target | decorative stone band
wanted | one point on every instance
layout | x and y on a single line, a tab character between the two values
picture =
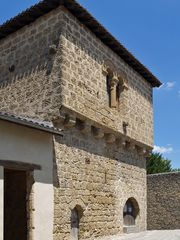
69	119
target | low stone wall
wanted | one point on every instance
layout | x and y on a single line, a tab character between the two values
163	208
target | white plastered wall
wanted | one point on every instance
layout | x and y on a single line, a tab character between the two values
1	201
27	145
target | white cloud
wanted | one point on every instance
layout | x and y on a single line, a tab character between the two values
162	150
168	85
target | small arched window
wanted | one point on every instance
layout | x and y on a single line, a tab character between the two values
76	214
112	83
115	84
130	212
108	84
74	224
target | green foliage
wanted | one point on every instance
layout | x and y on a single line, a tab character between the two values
156	163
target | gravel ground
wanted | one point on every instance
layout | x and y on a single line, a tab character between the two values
149	235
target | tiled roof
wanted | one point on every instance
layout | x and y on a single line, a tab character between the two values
32	123
45	6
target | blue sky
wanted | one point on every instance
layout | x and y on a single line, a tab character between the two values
150	30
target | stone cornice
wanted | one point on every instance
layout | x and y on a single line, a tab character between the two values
99	131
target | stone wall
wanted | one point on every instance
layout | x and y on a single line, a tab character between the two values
100	179
56	62
84	86
30	68
163	194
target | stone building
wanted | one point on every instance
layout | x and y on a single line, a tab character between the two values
57	63
163	201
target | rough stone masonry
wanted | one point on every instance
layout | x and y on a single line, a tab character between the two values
163	197
58	68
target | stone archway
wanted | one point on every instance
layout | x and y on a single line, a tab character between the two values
130	213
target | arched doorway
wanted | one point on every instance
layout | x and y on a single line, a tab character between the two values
130	212
76	214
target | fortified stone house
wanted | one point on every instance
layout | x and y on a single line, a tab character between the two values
58	64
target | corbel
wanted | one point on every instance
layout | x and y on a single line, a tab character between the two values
83	126
131	146
59	120
148	153
121	142
142	151
97	132
70	121
110	138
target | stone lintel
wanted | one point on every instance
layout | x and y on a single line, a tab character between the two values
19	165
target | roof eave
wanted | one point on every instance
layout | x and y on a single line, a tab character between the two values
29	124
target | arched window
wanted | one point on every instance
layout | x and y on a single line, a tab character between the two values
76	214
115	84
112	83
74	224
130	212
109	76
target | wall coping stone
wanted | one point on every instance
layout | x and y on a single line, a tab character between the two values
163	174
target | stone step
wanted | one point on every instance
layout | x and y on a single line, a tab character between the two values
130	229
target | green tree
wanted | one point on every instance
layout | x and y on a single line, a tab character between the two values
156	163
